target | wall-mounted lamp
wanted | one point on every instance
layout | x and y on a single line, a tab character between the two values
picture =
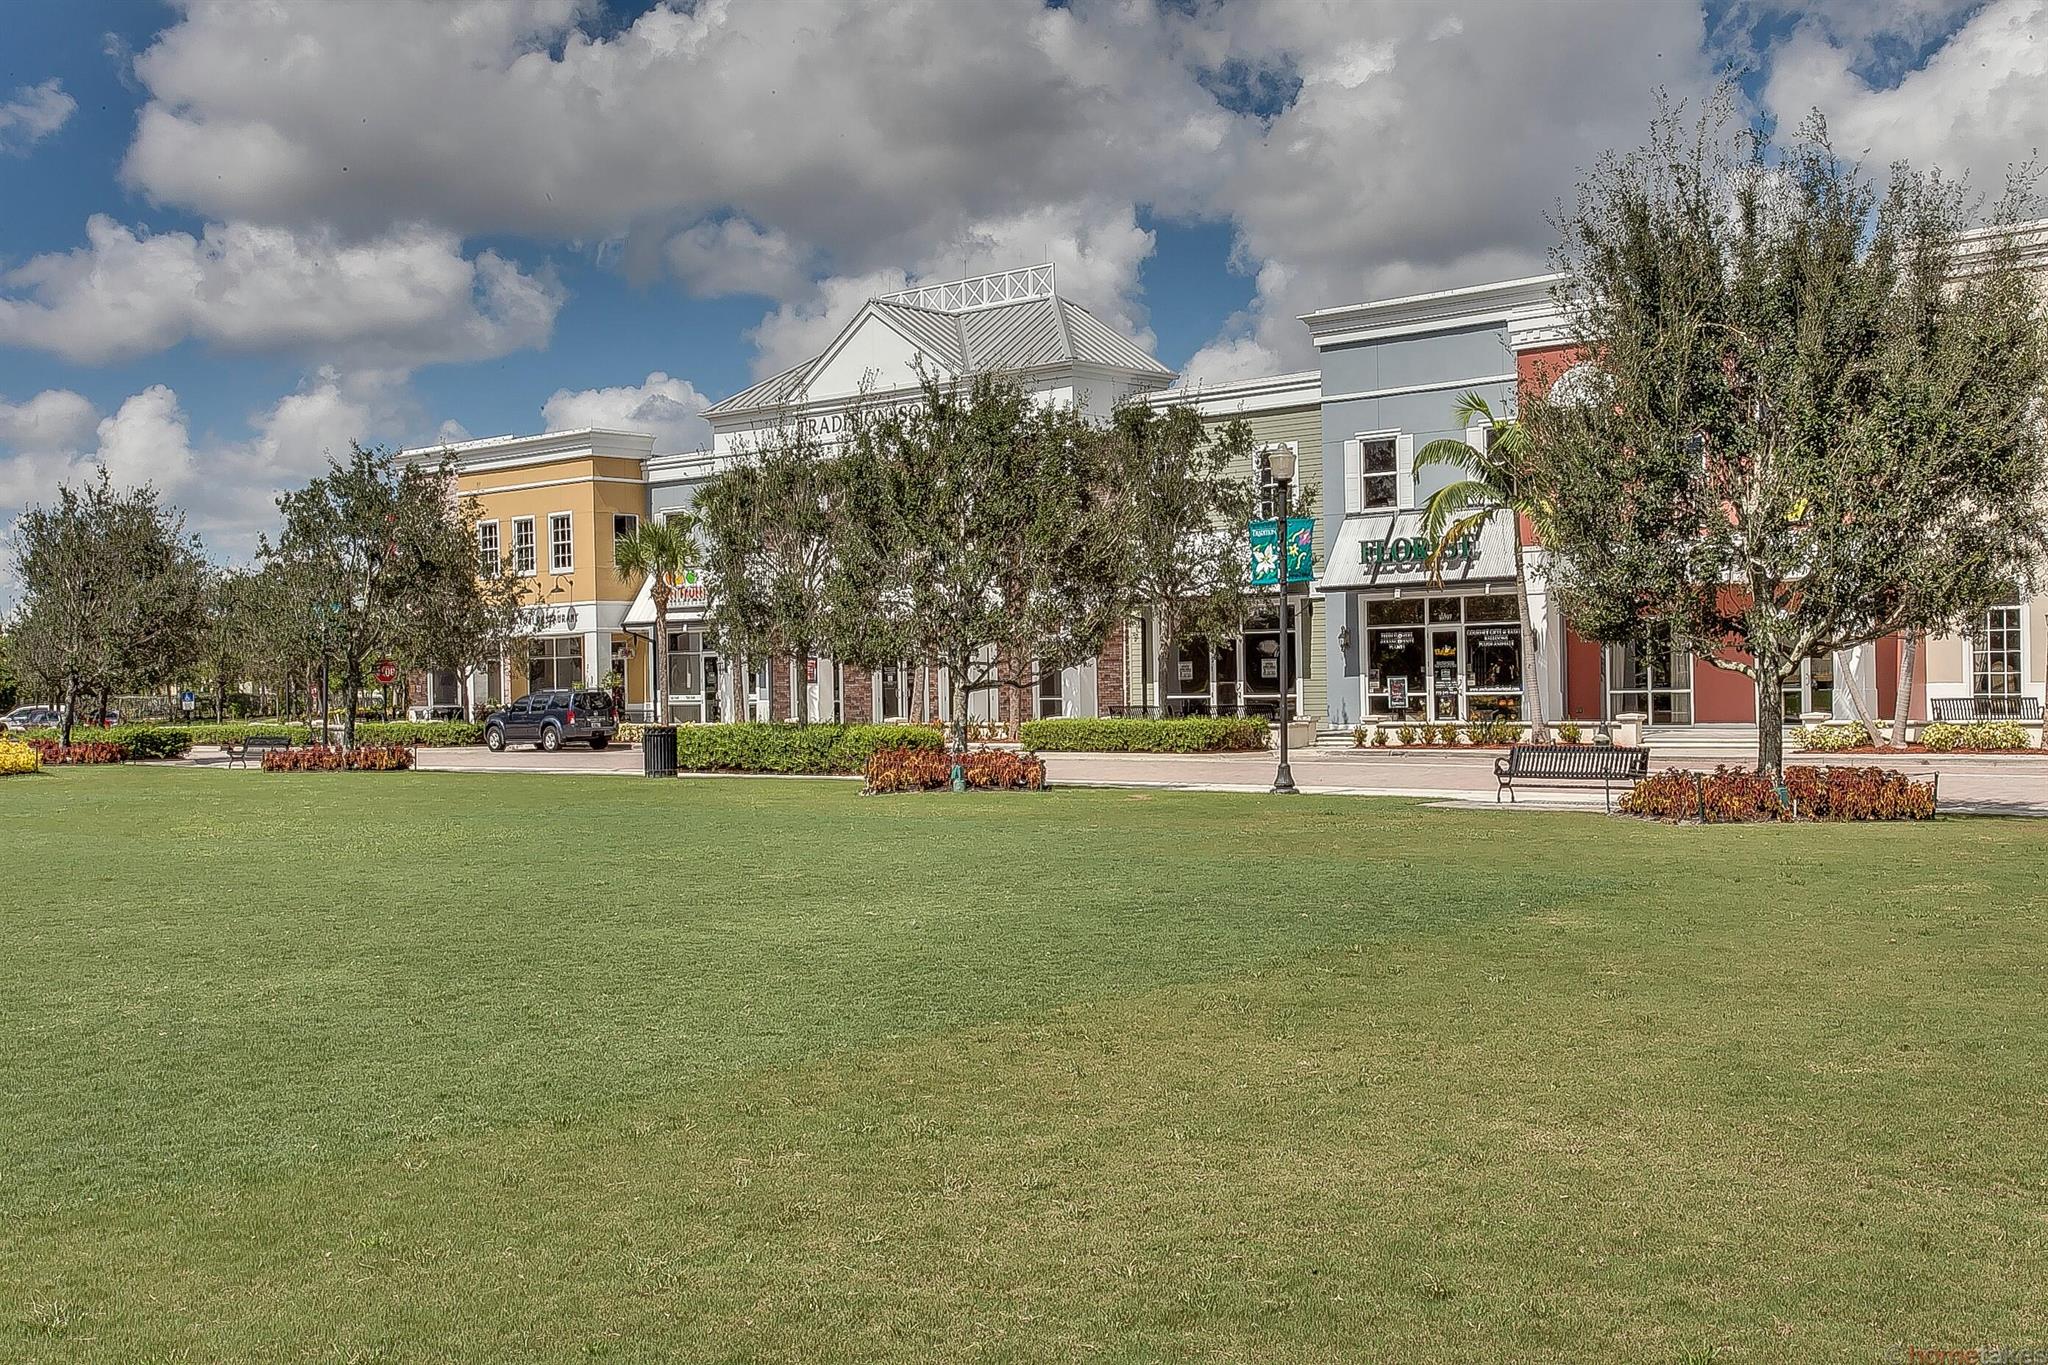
1343	637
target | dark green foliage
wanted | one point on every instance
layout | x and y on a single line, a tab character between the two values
1801	419
766	747
1191	735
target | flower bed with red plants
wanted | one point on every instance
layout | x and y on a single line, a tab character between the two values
923	770
79	753
1739	796
322	758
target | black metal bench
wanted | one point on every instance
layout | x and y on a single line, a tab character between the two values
1962	710
254	744
1583	764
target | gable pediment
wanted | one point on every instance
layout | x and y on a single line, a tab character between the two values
878	354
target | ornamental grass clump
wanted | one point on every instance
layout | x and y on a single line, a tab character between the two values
81	754
322	758
1740	796
917	770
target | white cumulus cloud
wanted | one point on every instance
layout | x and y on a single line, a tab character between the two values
33	113
408	297
671	409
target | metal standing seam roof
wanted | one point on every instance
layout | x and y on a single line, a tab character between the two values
1026	335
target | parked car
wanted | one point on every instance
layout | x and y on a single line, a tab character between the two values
30	718
548	720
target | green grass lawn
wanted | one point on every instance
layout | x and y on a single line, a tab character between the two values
463	1067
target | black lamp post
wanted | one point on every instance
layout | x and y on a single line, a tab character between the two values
1280	464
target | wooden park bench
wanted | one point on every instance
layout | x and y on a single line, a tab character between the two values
1581	764
1963	710
255	745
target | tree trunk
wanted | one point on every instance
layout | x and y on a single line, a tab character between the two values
70	707
661	712
957	677
802	683
351	684
1770	724
1902	701
1162	659
1532	666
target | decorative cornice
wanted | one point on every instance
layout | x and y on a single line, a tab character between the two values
1475	305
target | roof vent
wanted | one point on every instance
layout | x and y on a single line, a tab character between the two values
982	291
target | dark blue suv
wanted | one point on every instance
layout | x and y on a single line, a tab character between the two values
548	720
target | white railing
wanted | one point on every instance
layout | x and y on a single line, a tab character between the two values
982	291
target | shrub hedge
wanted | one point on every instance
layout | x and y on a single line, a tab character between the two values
1978	735
770	747
922	770
1110	735
136	741
18	757
1737	795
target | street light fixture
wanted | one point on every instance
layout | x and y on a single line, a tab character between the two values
1280	466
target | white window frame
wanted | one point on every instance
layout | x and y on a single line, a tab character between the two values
559	563
634	529
1978	647
525	558
1354	472
497	546
1262	484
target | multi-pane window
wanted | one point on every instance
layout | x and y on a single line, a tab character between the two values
556	662
1269	490
561	543
1378	474
624	524
890	691
487	547
1995	658
523	561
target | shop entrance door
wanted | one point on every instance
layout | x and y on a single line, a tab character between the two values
1446	674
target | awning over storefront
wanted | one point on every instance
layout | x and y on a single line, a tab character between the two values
1389	550
687	602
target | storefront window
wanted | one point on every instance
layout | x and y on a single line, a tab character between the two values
1995	659
1444	658
1188	690
1446	610
556	662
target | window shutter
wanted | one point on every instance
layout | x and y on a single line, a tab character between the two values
1354	475
1404	469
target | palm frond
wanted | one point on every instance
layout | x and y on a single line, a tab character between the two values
1454	501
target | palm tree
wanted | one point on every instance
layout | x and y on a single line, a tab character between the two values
660	550
1492	485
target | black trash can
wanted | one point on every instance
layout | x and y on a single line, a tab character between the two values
658	750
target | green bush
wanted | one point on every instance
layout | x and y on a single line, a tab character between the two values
768	747
138	741
420	734
235	731
1111	735
1944	736
1568	732
1833	739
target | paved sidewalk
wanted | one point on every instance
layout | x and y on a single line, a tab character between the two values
1985	784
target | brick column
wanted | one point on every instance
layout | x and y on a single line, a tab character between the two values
1109	670
859	687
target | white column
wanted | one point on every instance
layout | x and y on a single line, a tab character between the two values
1544	669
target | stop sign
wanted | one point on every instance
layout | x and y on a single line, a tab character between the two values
387	671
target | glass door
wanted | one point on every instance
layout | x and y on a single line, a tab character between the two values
1812	690
1446	676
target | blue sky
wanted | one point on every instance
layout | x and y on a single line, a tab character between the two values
233	239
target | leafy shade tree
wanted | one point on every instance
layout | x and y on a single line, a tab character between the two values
1809	412
1492	483
975	532
659	551
10	675
111	592
372	549
228	638
767	528
1187	500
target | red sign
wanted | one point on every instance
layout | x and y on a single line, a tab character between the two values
387	672
810	670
